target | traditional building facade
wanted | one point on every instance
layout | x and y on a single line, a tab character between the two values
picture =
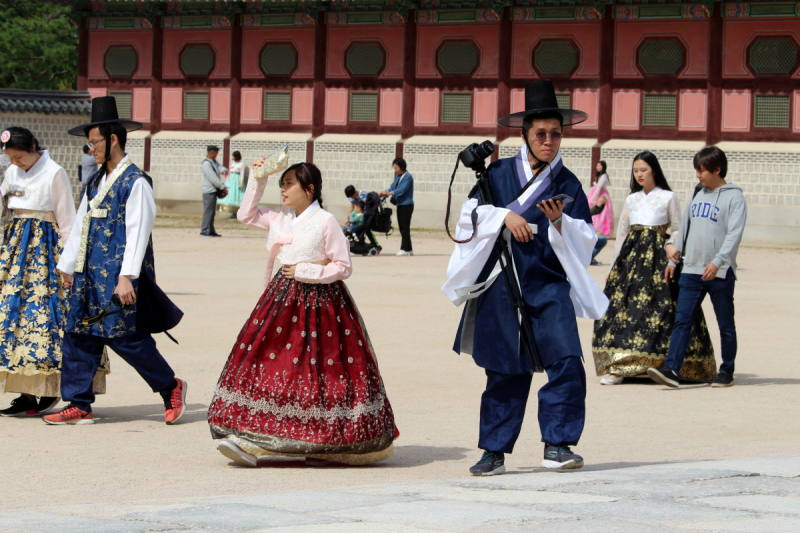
353	83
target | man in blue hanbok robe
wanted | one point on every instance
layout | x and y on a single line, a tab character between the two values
551	243
109	257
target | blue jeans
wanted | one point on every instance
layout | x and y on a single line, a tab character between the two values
562	409
599	245
692	292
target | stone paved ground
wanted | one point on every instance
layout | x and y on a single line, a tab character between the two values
739	495
639	442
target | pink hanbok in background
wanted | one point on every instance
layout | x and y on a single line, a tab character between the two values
604	222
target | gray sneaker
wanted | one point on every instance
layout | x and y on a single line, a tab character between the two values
491	464
665	376
560	458
722	380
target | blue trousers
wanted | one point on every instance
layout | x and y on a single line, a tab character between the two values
599	245
82	355
562	408
693	291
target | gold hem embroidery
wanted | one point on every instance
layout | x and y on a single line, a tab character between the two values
629	363
354	459
296	410
270	445
48	385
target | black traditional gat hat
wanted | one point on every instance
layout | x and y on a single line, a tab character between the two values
540	97
104	111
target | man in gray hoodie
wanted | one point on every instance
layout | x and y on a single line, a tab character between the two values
708	241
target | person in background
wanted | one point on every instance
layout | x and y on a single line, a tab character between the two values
403	191
354	195
40	212
603	222
88	168
212	170
716	218
601	239
235	186
634	334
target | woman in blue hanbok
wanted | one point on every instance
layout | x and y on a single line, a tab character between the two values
38	215
235	186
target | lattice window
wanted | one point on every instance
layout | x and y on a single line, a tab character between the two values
771	111
277	106
363	107
197	60
555	58
121	61
563	100
124	103
661	57
457	107
195	106
278	59
365	59
659	110
457	59
773	56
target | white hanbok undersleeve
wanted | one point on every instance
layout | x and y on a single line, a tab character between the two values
573	246
469	258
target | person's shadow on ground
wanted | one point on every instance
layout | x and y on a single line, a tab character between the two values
404	457
195	412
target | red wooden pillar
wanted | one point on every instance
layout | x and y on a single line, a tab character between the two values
714	106
409	78
606	104
237	40
504	81
83	54
320	53
605	113
157	61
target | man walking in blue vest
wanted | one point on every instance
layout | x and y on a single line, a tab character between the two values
109	271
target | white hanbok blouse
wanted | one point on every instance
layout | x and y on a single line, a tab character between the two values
44	187
658	208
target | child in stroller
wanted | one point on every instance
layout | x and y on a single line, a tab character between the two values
376	217
356	218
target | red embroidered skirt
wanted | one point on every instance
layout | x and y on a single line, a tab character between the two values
302	379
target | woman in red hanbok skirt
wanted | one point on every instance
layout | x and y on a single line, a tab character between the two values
302	379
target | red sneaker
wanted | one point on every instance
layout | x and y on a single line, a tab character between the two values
175	403
71	415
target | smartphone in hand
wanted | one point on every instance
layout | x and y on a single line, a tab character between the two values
563	198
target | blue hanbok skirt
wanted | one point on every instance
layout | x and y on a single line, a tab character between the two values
33	308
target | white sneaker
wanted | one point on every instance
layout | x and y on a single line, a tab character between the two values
229	449
608	380
403	252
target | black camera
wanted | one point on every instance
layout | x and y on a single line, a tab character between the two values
474	155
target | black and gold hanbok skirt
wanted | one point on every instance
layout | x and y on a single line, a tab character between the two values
635	331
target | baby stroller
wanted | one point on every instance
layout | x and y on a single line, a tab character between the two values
377	217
